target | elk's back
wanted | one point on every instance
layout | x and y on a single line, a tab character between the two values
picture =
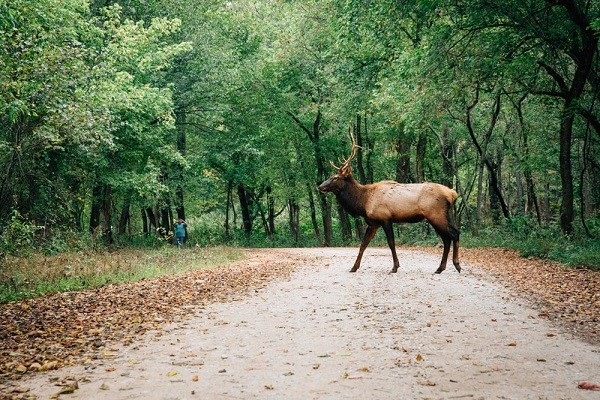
407	202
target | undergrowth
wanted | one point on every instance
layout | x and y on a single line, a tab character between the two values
38	274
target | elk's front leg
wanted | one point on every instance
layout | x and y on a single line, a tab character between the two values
369	234
389	234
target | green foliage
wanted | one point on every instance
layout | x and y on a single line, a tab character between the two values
530	240
16	235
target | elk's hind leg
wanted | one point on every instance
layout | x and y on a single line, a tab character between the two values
455	260
442	266
389	234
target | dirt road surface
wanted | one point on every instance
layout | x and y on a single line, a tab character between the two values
328	334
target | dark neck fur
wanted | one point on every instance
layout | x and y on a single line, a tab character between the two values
353	197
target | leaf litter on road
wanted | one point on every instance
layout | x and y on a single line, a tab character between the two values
77	327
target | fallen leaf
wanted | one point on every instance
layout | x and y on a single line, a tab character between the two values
512	344
195	378
172	373
588	386
68	389
419	357
49	365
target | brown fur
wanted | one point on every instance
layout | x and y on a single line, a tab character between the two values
387	202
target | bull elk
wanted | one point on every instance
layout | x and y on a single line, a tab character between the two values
387	202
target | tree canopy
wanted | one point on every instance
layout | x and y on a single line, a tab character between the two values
119	117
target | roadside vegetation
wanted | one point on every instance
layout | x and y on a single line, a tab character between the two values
38	274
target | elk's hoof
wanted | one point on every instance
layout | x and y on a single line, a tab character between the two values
457	268
353	269
439	270
393	271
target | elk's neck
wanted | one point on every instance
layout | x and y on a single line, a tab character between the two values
353	197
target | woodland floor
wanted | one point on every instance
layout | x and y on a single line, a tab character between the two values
507	326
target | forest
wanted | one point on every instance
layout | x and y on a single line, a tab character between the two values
118	118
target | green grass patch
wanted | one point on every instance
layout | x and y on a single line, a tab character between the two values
39	274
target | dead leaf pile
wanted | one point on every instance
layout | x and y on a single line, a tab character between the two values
63	329
568	296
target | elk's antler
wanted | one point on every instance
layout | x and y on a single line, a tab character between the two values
353	152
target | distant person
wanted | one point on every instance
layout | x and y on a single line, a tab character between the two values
180	226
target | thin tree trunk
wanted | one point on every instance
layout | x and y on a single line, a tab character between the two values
313	213
245	206
153	223
144	222
294	219
96	207
482	148
345	226
124	218
403	174
227	207
181	147
567	214
314	136
420	158
107	214
362	176
271	211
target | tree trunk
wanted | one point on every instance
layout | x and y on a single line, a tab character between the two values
447	150
152	222
294	219
144	222
495	206
345	225
96	207
181	147
420	158
482	148
326	218
271	211
567	214
314	136
370	146
227	208
362	176
403	174
107	214
313	213
124	218
245	206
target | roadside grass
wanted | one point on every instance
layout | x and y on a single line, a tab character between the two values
577	252
36	275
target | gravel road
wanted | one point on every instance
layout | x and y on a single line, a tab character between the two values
329	334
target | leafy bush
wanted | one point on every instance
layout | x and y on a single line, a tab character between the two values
17	234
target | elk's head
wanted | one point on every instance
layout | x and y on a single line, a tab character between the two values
342	175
